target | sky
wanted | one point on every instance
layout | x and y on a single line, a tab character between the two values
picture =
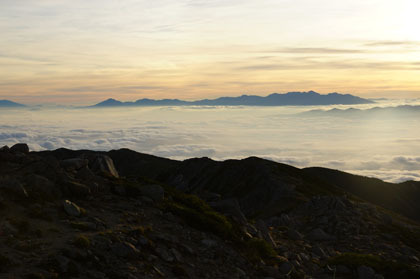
81	52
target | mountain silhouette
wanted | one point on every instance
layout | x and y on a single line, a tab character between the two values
310	98
7	103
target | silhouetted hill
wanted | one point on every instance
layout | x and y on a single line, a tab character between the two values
310	98
10	104
402	198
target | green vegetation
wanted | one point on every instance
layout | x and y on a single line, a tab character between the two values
388	268
81	241
200	215
257	249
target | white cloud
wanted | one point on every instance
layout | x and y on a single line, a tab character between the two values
375	147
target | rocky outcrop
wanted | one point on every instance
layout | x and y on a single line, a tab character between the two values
79	214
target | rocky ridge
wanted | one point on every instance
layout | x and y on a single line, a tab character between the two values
121	214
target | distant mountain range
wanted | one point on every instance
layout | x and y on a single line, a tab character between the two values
400	111
310	98
9	104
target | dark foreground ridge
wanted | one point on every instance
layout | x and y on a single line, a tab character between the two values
310	98
123	214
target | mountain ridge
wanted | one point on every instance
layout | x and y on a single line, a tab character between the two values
275	99
11	104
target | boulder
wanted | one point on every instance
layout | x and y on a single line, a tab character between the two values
231	208
71	208
14	187
41	187
103	164
20	148
74	164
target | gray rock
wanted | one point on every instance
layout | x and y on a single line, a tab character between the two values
231	208
103	164
41	187
71	208
78	190
209	243
365	272
13	186
74	164
341	269
319	235
265	233
125	250
20	147
294	235
164	254
155	192
285	268
319	251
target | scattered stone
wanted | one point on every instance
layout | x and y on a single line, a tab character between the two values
71	208
365	272
286	268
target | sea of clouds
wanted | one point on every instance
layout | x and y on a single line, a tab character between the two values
378	146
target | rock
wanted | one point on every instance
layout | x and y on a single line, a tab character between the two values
386	219
209	243
271	271
155	192
231	208
71	208
164	254
341	269
103	164
20	148
76	189
294	235
125	250
265	233
285	268
365	272
319	252
5	149
13	186
319	235
74	164
41	187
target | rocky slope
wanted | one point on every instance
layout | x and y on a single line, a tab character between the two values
123	214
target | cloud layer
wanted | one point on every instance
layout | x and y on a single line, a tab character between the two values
387	148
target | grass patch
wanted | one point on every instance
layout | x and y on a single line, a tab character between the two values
257	249
81	241
388	268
